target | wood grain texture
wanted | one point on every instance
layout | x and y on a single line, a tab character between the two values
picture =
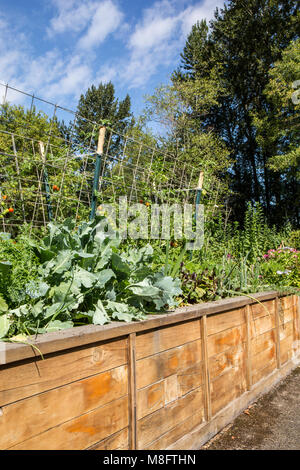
248	346
206	370
177	432
159	366
166	338
156	424
229	320
227	387
233	358
23	380
194	439
262	342
132	391
118	441
82	431
220	342
160	394
32	416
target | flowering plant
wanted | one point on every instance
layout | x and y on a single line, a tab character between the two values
281	266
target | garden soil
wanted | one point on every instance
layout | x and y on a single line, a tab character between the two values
270	423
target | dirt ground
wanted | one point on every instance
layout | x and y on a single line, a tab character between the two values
271	423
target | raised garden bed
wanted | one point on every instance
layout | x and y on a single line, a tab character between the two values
169	382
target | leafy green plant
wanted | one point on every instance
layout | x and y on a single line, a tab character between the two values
86	277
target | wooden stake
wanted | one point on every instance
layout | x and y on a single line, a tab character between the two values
248	347
101	138
200	181
277	332
207	397
132	392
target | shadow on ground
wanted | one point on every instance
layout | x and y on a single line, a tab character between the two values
271	423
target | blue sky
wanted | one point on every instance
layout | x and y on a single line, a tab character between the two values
56	49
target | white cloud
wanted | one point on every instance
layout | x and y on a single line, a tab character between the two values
159	37
194	13
106	20
95	20
152	32
71	17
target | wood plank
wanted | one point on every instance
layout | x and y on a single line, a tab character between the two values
262	309
118	441
288	302
227	320
160	394
156	424
177	432
163	339
286	329
36	414
132	391
268	356
227	339
264	372
23	380
83	335
248	347
286	315
83	431
286	349
233	358
263	342
150	399
227	387
206	371
159	366
296	329
277	332
262	324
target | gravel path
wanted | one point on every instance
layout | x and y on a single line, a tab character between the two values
271	423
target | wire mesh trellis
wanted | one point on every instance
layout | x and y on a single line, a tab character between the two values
48	169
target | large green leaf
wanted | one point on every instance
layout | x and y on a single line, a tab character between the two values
5	323
36	289
100	316
62	262
144	289
119	265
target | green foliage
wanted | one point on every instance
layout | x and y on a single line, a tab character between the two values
18	266
238	52
23	177
85	277
100	105
281	267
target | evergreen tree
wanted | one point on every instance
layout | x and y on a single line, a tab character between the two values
99	105
245	39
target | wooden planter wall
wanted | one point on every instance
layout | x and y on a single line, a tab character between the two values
170	382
